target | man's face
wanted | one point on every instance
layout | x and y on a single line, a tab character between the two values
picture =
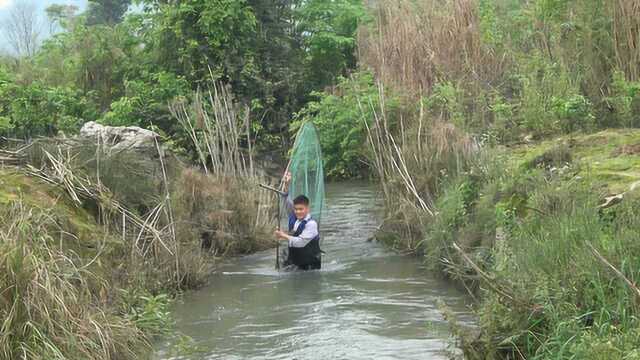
301	211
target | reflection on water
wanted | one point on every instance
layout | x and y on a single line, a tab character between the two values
365	303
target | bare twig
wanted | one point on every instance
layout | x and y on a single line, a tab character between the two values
619	274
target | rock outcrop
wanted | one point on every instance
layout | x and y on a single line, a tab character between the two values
119	138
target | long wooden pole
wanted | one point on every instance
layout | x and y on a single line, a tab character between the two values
280	193
278	240
278	196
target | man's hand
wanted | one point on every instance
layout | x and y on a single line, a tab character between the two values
287	177
281	235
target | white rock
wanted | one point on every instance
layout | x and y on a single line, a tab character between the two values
120	138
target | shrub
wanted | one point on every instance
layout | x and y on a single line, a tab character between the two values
35	109
624	101
340	117
145	102
574	113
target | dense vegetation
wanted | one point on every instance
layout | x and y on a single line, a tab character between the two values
495	169
124	69
96	241
498	130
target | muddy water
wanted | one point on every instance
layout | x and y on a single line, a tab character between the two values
365	303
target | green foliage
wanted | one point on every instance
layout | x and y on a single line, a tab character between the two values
60	15
194	37
145	101
150	313
36	109
625	101
340	118
491	32
273	53
574	113
528	228
185	346
445	101
92	59
503	126
328	29
582	311
108	12
540	87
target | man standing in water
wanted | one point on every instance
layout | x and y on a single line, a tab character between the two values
303	236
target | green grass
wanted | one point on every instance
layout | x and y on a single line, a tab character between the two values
595	153
529	228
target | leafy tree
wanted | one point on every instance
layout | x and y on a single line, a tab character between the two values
106	12
328	28
197	37
60	15
341	123
145	102
278	89
36	109
97	58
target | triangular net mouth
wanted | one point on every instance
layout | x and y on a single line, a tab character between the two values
306	168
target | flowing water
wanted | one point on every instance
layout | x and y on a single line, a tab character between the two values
365	303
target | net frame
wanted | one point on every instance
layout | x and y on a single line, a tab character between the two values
307	170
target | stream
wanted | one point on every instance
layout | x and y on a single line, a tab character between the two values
366	303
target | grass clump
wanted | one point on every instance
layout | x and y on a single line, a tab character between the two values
228	214
55	302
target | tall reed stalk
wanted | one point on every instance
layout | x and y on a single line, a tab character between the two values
410	156
216	128
626	36
414	45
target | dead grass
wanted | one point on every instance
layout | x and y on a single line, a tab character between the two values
56	292
414	45
626	36
631	149
230	215
412	156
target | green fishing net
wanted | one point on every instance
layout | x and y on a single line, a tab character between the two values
305	166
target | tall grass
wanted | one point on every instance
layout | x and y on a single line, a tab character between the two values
236	213
53	301
626	33
415	45
513	68
217	126
410	155
551	269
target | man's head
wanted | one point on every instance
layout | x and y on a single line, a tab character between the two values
301	207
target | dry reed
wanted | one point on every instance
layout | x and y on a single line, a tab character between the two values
410	156
414	45
626	37
235	213
215	127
